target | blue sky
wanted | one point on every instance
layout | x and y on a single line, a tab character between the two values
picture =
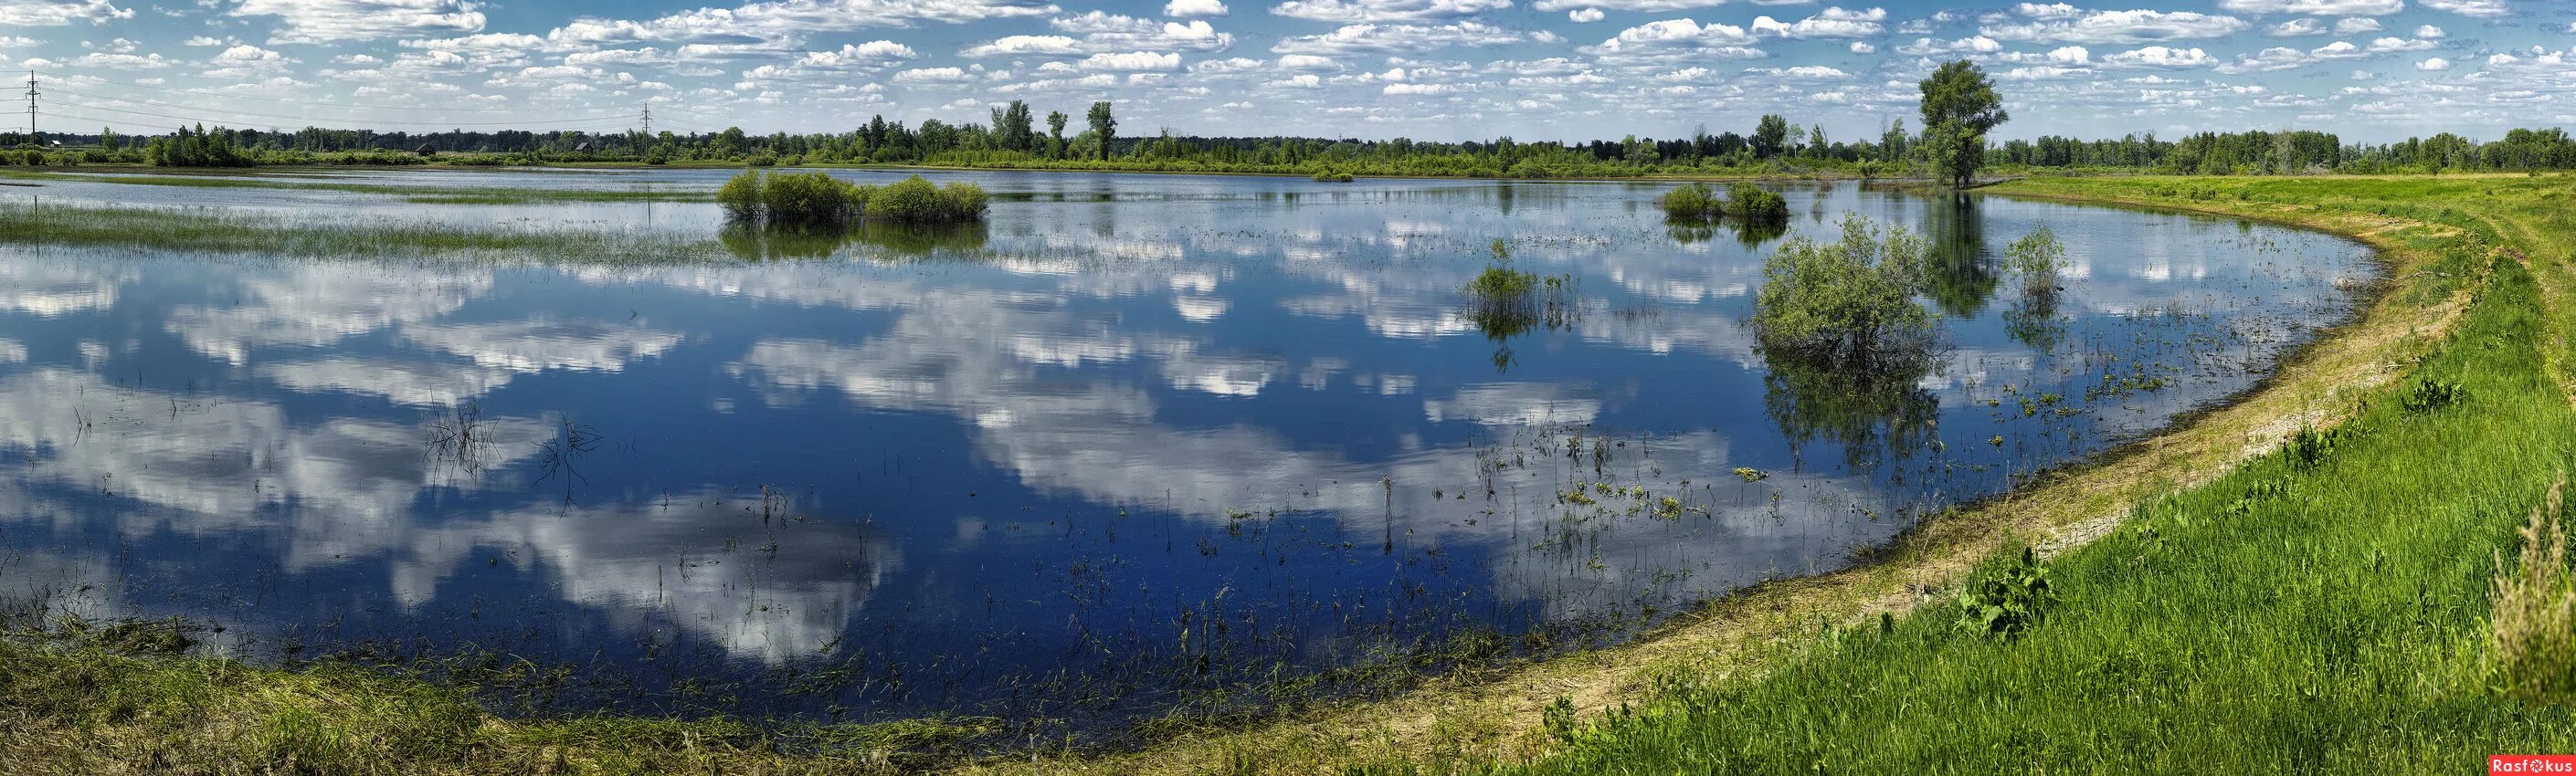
2372	70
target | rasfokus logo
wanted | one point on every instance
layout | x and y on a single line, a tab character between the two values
2530	763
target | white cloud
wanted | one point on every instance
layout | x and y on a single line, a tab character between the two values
1586	15
247	54
783	21
2488	8
2053	25
1644	6
2321	7
1183	9
2434	64
932	75
46	13
2161	57
1861	47
1418	89
1831	23
2355	25
1132	61
1399	38
1385	10
2430	32
326	21
2295	28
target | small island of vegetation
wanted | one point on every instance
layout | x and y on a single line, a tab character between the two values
810	199
1743	201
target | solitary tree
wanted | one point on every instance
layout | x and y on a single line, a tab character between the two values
1959	106
1055	131
1770	136
1104	126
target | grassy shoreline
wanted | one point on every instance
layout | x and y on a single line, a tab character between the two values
1778	643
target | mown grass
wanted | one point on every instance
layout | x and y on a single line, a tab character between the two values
2325	608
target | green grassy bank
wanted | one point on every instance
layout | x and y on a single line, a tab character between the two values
2220	605
2327	608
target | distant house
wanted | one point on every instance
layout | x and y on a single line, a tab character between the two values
581	148
427	150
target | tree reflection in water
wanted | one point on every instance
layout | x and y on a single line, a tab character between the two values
1958	275
1871	402
755	242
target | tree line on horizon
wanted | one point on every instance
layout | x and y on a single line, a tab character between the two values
1013	139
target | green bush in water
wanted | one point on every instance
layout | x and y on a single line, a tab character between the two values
1852	297
741	197
1692	201
916	201
1329	176
1751	203
812	198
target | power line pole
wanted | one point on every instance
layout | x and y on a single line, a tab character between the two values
31	109
648	121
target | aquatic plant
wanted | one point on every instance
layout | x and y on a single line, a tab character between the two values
1690	202
915	200
2036	259
1852	296
1754	204
1331	176
1696	202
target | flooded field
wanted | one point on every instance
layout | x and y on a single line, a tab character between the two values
1138	445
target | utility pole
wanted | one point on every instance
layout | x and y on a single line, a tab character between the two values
648	121
31	110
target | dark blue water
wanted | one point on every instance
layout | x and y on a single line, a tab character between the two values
1139	441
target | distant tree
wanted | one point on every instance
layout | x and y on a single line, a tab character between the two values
1770	136
1103	125
1816	145
1960	106
1055	132
1892	145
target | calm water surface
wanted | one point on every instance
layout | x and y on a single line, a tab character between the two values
1137	441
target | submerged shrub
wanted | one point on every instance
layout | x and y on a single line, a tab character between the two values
2534	629
915	200
741	197
1690	201
1752	203
1852	296
2007	599
2036	258
812	199
1329	176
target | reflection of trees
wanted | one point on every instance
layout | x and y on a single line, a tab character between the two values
1870	402
1751	234
1505	303
787	243
1957	274
2032	319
